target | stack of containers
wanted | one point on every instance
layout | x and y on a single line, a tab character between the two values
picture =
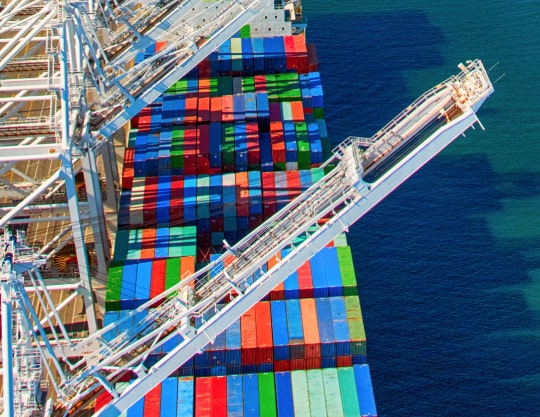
336	392
219	152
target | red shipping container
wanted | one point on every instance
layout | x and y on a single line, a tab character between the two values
203	143
253	146
265	345
216	224
248	331
203	397
148	243
313	363
157	284
343	361
290	52
215	109
310	325
150	200
152	401
129	154
127	178
203	111
204	68
269	193
144	121
260	83
242	188
282	366
297	110
176	208
129	170
293	184
278	142
255	221
192	104
190	150
242	194
102	400
227	110
301	54
305	281
298	364
219	396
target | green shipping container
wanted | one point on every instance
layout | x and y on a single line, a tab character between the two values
300	394
180	87
346	268
245	31
332	393
267	395
272	87
189	241
225	86
228	144
177	148
356	325
318	113
172	272
317	403
131	138
121	245
349	398
304	153
134	244
176	237
248	85
114	285
214	87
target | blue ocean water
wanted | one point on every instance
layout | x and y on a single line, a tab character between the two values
449	265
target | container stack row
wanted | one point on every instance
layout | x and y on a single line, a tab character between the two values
266	123
309	323
251	56
205	200
336	392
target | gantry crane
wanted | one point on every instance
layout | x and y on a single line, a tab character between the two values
196	310
69	81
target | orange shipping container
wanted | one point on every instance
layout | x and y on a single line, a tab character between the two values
310	325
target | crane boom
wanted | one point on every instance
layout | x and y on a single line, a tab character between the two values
200	307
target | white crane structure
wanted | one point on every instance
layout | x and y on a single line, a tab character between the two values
68	81
200	307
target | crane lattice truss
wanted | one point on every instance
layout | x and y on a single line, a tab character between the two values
200	307
68	81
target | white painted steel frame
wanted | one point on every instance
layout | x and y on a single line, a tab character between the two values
342	197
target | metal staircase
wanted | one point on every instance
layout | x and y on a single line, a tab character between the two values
195	311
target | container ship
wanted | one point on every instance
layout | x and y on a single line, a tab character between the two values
217	279
218	153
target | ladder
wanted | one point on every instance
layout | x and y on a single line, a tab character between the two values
195	311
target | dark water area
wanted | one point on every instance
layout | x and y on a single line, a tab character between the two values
449	264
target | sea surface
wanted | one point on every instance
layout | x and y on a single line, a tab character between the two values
449	264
